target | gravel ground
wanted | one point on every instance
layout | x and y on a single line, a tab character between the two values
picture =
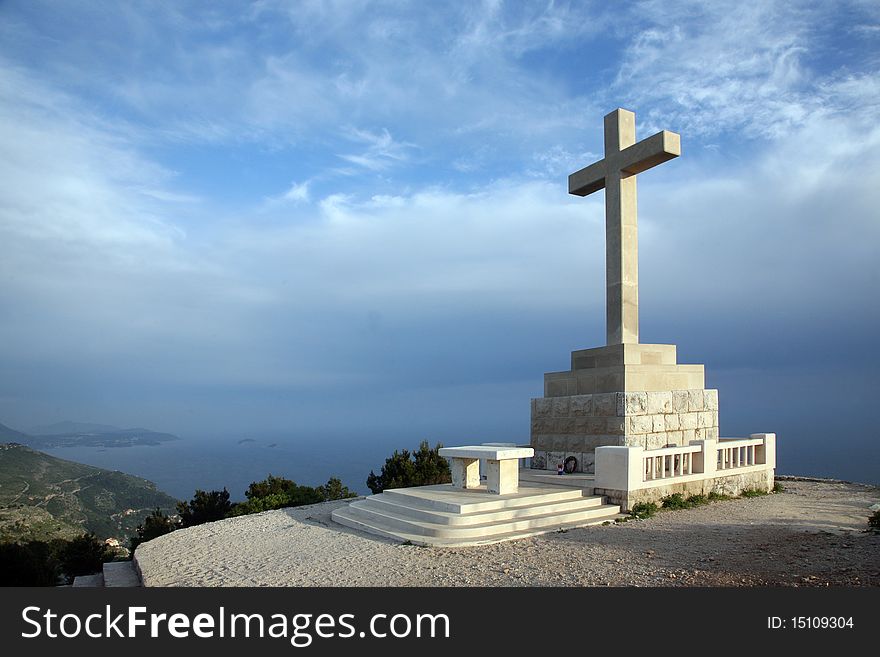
812	534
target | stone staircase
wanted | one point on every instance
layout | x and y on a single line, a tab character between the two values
115	574
446	517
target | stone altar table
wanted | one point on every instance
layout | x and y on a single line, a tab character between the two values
502	466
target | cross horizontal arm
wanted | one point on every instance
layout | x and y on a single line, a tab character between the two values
588	180
648	153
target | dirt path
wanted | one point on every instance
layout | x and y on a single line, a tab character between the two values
810	535
27	487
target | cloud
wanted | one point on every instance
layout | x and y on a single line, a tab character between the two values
298	192
398	235
382	150
711	69
65	177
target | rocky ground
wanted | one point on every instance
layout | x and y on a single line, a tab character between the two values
812	534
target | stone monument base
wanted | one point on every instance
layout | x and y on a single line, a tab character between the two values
620	395
576	425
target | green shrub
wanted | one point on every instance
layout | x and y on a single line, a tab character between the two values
679	501
28	564
154	525
718	497
424	467
753	492
280	493
84	555
334	490
674	501
697	500
271	485
204	507
874	521
38	563
778	487
644	510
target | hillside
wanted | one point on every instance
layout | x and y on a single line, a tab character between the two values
42	497
9	435
79	434
70	427
116	438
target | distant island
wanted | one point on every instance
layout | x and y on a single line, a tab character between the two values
79	434
43	497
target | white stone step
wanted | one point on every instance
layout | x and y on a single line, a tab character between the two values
120	574
92	581
551	519
392	506
341	516
445	498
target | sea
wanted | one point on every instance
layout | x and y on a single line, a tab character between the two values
179	467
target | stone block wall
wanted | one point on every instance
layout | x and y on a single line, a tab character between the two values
575	425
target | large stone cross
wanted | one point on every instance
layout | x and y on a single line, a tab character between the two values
624	158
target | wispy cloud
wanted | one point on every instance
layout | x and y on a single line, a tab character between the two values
66	176
298	192
205	204
721	67
382	151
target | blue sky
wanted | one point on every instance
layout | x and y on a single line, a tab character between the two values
351	217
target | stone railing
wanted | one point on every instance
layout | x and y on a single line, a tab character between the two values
740	453
635	468
672	462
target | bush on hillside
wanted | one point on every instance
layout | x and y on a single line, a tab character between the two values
41	563
83	555
204	507
279	493
334	490
154	525
424	467
28	564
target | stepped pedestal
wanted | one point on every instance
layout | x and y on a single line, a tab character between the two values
452	517
620	395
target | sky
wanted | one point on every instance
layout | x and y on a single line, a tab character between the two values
350	219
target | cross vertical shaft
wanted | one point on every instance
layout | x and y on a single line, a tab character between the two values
621	236
624	158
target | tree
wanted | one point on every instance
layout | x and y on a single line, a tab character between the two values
271	485
204	507
431	468
28	564
154	525
424	467
334	490
279	493
84	555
